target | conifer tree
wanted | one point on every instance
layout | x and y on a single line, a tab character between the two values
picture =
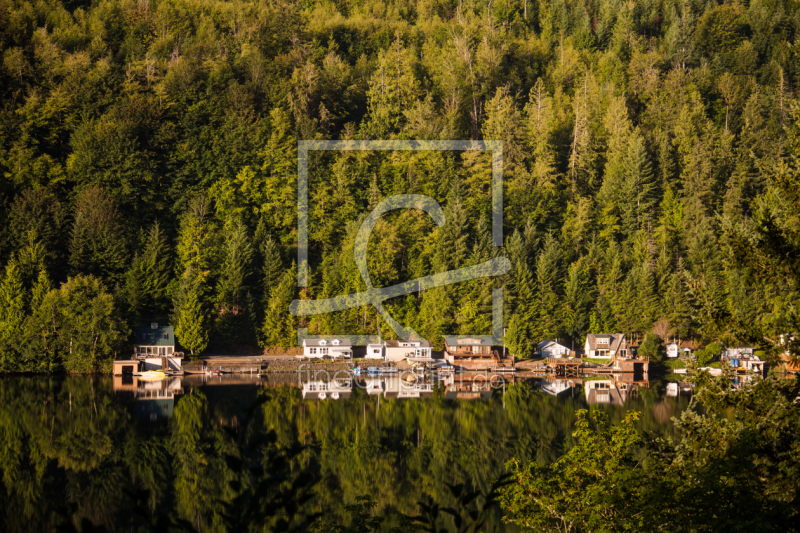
147	280
539	126
232	285
578	297
12	315
640	190
97	241
40	289
191	328
548	282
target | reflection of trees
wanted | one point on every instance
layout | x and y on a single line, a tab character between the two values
70	451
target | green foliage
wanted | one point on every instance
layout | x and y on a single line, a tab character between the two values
615	478
191	328
590	488
647	165
652	348
74	328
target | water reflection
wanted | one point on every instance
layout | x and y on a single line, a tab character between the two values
79	447
151	399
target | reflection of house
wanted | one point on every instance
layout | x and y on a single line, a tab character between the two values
679	388
152	399
552	349
556	387
327	390
473	353
396	386
373	386
399	350
607	391
464	387
606	345
327	347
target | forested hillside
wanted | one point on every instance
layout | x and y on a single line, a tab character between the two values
148	168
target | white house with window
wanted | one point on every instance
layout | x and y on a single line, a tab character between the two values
673	350
399	350
606	345
552	349
374	351
327	347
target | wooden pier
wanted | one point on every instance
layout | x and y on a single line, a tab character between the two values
564	366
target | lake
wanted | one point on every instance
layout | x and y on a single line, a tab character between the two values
198	451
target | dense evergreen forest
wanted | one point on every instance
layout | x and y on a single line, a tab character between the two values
148	154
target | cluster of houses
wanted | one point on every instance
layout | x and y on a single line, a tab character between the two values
155	348
336	347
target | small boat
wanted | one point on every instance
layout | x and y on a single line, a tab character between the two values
152	375
373	371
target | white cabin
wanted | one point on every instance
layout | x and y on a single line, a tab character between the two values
327	347
374	351
399	350
672	350
552	349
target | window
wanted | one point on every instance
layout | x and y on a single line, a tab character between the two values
336	342
144	336
312	351
324	351
166	336
323	342
602	340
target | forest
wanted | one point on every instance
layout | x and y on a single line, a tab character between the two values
148	169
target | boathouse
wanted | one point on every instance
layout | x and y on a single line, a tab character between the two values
154	340
155	347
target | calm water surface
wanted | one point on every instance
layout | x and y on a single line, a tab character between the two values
121	454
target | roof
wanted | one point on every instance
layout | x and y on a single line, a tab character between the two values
545	344
328	341
158	336
615	340
456	340
396	344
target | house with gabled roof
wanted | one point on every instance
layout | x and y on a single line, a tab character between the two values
602	345
549	348
327	347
